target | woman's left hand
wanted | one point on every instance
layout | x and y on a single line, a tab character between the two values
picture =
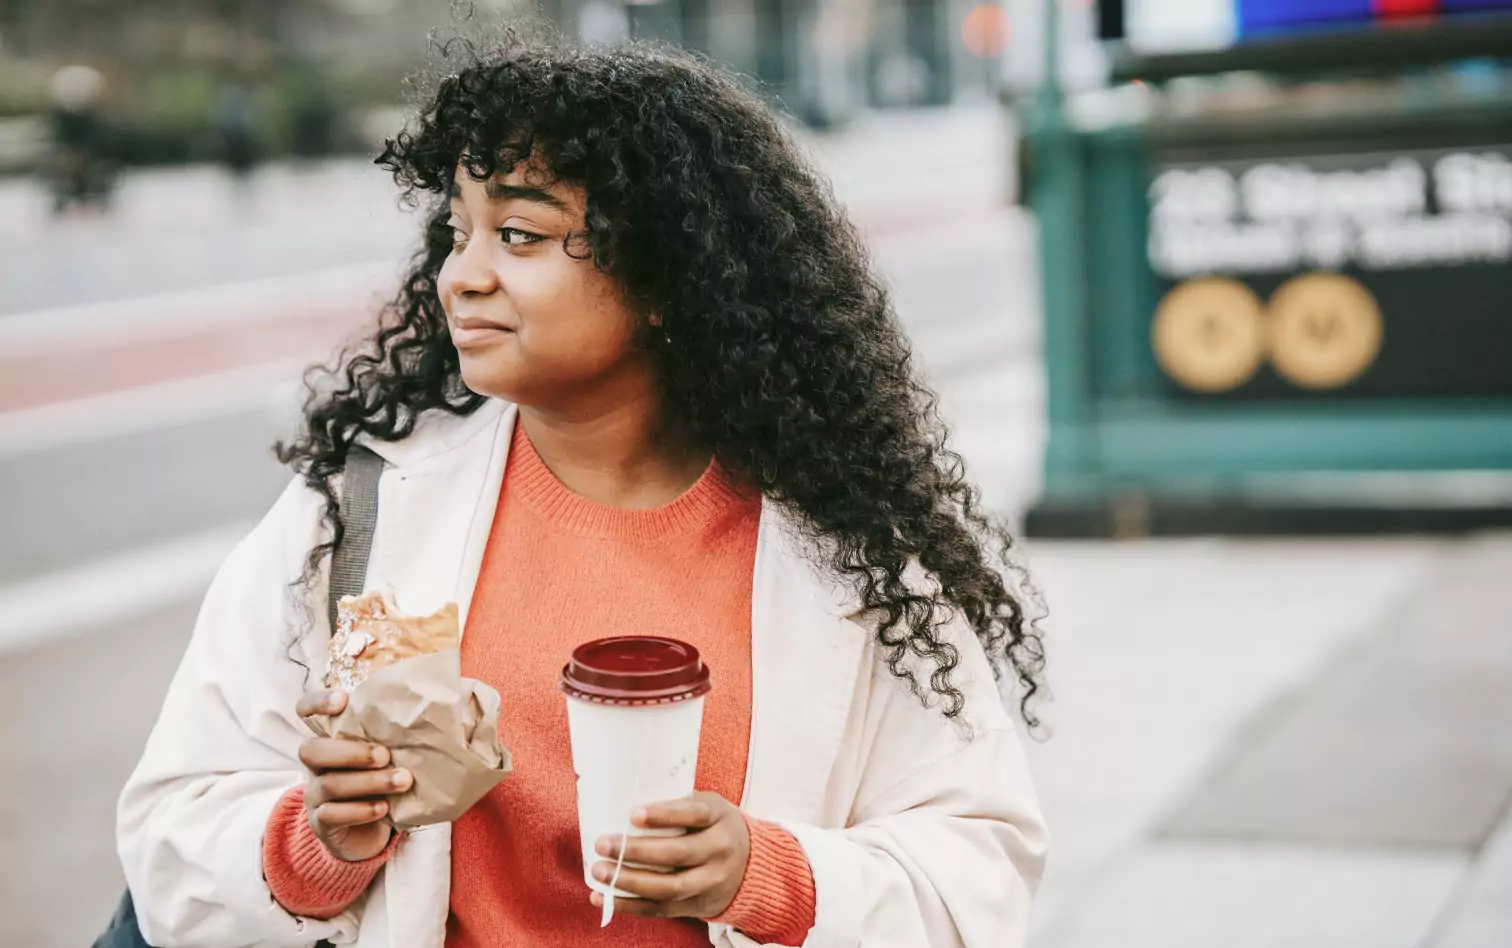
707	863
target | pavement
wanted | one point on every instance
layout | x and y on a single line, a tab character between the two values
1257	742
1277	743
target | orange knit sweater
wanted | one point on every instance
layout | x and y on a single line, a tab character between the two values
560	570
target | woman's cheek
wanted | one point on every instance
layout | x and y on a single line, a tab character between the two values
444	282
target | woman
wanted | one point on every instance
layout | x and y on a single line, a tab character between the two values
639	379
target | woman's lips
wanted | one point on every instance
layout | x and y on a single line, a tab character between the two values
478	334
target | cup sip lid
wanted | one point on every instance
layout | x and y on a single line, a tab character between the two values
635	670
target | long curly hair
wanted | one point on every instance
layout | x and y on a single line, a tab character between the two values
777	345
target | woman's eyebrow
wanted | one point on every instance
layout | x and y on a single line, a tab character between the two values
498	193
512	192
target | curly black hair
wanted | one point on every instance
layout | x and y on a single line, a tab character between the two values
777	344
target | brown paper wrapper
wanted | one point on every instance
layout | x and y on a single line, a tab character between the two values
441	727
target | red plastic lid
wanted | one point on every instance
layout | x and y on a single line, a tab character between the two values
635	670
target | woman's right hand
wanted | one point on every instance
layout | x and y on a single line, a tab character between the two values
348	781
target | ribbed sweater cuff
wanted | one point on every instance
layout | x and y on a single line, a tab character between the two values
306	878
775	903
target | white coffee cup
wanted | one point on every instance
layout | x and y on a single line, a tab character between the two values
634	712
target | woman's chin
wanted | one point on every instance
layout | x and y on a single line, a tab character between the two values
486	377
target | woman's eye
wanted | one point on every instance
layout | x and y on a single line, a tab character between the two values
458	238
516	237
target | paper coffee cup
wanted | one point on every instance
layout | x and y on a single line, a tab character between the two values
634	712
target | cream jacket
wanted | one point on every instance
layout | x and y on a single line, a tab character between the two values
917	832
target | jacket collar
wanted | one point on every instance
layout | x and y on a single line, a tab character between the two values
440	432
439	438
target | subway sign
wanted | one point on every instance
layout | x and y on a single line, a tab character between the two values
1374	274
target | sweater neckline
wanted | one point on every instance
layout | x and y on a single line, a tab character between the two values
530	481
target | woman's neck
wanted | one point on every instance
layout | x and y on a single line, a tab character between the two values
628	456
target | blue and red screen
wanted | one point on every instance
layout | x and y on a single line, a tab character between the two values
1271	16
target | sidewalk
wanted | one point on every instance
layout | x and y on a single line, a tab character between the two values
1278	744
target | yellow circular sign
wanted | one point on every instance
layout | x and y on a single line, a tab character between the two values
1209	334
1325	330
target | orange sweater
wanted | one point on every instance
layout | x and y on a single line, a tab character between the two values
560	570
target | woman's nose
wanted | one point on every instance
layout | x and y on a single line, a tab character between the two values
472	270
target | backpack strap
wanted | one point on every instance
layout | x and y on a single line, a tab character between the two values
359	517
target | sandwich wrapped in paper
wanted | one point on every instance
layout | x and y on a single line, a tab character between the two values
403	674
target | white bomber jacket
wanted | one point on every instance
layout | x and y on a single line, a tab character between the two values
918	833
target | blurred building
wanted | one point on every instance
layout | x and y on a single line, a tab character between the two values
169	62
826	59
306	72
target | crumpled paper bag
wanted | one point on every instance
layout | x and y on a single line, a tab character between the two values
441	727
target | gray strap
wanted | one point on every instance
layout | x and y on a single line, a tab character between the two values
359	515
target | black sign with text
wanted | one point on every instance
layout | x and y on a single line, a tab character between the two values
1355	275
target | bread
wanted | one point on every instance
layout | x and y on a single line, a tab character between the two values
371	633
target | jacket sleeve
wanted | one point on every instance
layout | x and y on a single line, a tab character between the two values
945	844
191	818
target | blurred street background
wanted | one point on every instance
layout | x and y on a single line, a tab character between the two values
1280	627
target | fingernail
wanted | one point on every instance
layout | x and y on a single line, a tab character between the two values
380	756
401	780
601	873
640	815
604	848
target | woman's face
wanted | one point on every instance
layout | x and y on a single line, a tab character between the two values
532	323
